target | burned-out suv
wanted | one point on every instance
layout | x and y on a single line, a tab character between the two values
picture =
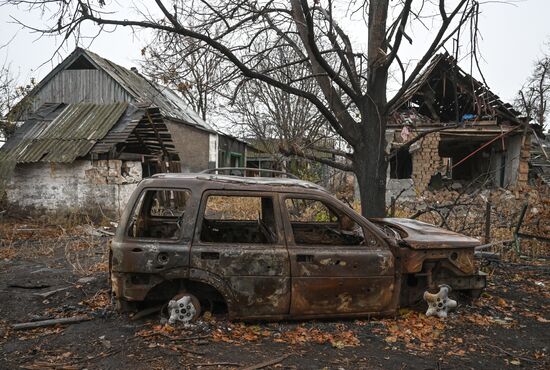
275	248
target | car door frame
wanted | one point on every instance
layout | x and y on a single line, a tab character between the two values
141	254
251	296
307	284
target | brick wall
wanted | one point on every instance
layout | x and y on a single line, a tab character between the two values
426	160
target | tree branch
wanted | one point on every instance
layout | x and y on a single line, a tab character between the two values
293	151
408	144
178	28
400	33
435	45
349	130
314	51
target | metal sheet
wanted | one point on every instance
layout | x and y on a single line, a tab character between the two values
61	133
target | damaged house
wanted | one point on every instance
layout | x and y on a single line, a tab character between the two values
93	122
72	157
468	134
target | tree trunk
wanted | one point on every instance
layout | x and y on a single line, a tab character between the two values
369	163
369	159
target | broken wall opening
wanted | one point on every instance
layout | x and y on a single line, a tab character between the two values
496	164
401	165
472	168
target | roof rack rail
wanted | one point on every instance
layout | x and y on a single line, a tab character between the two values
248	169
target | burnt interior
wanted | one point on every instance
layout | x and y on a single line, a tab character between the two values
237	219
310	233
159	214
227	231
470	166
401	165
316	223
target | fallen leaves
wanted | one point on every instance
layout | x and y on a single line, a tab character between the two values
7	252
102	266
240	333
414	329
303	335
101	299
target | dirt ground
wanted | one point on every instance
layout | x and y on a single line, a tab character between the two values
51	272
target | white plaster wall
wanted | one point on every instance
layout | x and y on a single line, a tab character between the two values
512	160
213	150
102	186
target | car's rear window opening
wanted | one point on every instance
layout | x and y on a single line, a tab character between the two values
159	214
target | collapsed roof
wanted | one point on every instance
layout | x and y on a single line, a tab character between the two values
444	93
61	133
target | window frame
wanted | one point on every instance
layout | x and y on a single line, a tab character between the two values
129	220
329	209
238	193
334	207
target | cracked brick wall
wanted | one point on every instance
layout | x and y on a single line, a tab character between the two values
426	160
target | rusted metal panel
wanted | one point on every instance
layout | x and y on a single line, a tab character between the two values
337	295
461	258
71	134
421	235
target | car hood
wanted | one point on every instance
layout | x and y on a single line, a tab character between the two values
421	235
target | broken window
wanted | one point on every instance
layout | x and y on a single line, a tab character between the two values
239	219
401	165
315	223
159	214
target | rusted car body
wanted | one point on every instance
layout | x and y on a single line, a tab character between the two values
276	248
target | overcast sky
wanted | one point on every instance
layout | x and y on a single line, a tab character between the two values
513	37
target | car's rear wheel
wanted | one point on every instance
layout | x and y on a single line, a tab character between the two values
184	307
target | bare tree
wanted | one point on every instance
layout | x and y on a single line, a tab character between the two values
195	70
533	98
281	123
352	82
274	119
10	94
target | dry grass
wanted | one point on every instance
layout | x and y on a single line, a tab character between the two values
28	240
233	208
465	213
85	253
